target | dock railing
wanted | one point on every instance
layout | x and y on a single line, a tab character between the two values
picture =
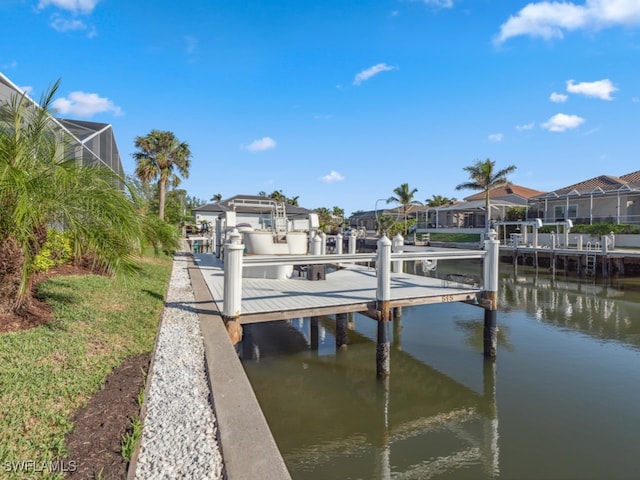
384	258
235	260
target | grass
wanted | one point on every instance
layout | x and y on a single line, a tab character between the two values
48	372
130	439
455	237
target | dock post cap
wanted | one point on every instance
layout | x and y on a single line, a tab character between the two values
235	237
384	240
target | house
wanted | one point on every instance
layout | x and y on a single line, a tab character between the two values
261	213
471	213
606	199
88	142
368	220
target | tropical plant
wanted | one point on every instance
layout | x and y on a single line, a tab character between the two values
484	177
159	155
216	197
42	185
404	196
438	200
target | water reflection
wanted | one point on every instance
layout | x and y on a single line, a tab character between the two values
602	310
559	403
337	421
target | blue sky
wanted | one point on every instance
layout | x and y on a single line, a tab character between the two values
339	102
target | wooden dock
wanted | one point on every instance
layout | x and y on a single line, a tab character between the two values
349	289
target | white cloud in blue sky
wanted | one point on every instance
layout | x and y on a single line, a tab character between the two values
601	89
74	6
558	97
525	127
439	3
371	72
85	105
561	122
332	177
549	20
260	145
496	137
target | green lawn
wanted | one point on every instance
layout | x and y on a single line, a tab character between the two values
48	372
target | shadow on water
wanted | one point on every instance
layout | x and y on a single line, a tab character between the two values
337	421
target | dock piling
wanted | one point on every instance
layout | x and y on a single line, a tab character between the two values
232	289
491	264
383	297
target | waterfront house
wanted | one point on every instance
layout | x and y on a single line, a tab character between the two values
471	213
606	198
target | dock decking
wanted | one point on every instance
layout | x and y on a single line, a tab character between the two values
350	289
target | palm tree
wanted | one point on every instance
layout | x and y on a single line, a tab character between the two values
40	187
404	196
216	197
438	200
485	178
160	153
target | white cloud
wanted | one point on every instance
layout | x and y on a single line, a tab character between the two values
549	20
599	89
85	105
496	137
558	97
370	72
75	6
561	122
526	126
439	3
332	177
60	24
635	100
260	145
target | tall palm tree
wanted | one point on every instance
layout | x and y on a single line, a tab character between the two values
404	196
485	178
216	197
159	154
40	187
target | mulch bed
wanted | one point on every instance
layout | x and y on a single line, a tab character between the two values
94	443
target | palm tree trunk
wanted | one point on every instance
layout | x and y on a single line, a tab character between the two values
162	184
11	265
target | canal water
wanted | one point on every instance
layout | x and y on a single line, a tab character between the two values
562	401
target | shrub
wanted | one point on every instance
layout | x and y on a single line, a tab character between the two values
55	251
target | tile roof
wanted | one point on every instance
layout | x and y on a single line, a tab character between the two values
507	190
606	183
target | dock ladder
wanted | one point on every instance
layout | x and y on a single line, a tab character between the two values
590	266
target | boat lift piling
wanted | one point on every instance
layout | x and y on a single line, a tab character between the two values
491	263
383	296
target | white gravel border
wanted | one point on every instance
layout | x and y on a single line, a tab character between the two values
179	437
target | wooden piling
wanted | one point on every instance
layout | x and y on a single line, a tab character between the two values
342	337
313	334
383	296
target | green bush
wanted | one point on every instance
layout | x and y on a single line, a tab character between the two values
55	251
596	229
605	228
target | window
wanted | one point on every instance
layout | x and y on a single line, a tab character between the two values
559	212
